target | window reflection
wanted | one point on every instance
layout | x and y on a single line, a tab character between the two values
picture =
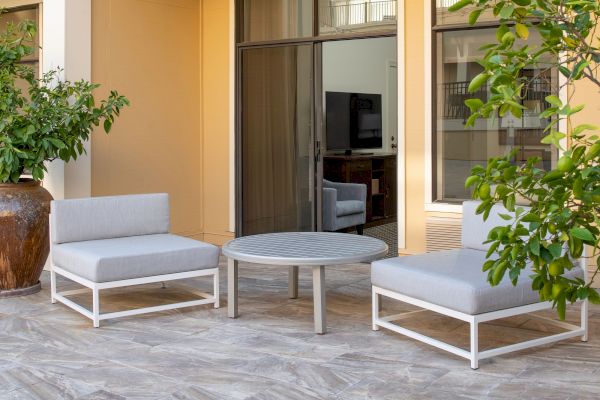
347	16
277	19
458	149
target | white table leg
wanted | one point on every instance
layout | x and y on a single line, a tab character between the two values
319	299
293	282
232	288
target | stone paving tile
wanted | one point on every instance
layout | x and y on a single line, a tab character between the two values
48	351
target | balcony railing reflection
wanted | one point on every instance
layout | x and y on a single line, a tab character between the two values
343	14
446	3
454	94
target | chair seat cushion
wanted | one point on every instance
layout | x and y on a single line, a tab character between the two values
109	260
454	279
349	207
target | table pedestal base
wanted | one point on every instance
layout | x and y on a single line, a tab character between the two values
319	299
293	282
232	288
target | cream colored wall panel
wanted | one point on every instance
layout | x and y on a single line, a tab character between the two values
216	37
149	51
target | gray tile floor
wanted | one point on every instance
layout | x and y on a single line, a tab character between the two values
50	352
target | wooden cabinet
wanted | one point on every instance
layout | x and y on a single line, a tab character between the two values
378	172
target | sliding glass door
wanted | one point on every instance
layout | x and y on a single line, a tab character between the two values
277	142
280	120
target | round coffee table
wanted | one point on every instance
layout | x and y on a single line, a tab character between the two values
316	249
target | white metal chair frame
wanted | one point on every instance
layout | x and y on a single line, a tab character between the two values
95	315
474	355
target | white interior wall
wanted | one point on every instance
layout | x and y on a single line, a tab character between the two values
362	66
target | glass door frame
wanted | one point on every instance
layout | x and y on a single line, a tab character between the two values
316	151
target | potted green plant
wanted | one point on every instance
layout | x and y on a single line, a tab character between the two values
564	202
49	120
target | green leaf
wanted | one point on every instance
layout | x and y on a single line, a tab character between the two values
566	72
499	272
522	31
534	246
471	180
583	234
492	249
506	217
554	137
107	125
474	16
460	5
531	217
555	249
593	296
507	11
474	104
554	100
56	142
579	68
501	31
584	127
478	82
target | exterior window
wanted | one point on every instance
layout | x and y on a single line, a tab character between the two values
355	16
457	149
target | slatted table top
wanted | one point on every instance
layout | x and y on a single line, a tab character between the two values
305	248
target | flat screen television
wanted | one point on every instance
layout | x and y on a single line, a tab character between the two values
353	121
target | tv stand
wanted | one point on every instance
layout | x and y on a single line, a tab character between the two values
377	171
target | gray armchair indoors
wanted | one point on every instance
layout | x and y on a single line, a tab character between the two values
344	206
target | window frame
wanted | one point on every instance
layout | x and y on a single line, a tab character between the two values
430	123
316	36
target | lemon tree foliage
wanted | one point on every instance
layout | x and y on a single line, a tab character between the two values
52	119
564	203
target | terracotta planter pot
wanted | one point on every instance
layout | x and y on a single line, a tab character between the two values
24	242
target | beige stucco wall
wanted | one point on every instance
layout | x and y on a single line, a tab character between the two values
216	64
171	59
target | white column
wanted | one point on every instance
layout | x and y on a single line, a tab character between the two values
53	56
66	44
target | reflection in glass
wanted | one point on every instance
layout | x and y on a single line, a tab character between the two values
15	17
277	19
460	17
32	60
354	16
458	149
277	172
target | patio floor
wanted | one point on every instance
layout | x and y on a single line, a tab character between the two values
49	352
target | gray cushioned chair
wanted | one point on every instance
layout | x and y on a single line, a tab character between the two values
452	283
344	205
108	242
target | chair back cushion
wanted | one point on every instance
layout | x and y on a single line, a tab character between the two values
475	230
97	218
